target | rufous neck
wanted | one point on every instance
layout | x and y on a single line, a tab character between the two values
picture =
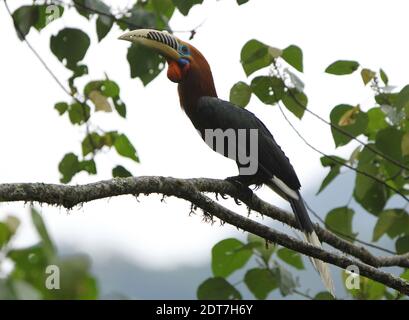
198	83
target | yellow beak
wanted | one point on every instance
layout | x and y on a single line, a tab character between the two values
162	42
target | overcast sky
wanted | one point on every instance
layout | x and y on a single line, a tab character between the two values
151	233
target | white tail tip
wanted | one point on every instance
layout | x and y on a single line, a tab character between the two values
321	266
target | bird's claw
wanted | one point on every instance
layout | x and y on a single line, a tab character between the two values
243	188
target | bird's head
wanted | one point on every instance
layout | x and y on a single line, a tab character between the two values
187	66
179	54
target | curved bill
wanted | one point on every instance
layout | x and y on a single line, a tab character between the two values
160	41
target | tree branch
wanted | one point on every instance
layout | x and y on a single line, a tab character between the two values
256	204
192	191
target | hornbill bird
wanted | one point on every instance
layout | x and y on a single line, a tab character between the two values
198	98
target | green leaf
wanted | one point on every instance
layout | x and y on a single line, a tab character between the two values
104	21
370	194
240	94
240	2
37	16
217	289
402	100
143	63
335	168
296	102
120	172
405	275
402	245
92	86
260	282
76	281
97	5
265	249
29	266
109	138
99	91
342	67
87	8
103	25
47	14
384	77
139	16
24	18
376	122
367	75
5	234
291	257
386	98
125	148
228	257
367	156
393	222
332	174
184	6
110	88
61	107
405	144
79	113
77	72
31	270
293	55
120	107
47	244
323	295
80	6
163	8
368	289
88	166
92	142
339	220
373	290
286	281
269	90
70	46
329	161
254	56
68	167
349	119
389	142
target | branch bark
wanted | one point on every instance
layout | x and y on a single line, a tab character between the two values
192	190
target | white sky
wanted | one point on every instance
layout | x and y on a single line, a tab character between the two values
157	235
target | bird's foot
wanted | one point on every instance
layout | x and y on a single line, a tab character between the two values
241	185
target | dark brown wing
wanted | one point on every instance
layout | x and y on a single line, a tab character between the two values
214	113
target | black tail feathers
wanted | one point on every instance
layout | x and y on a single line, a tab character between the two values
301	214
303	219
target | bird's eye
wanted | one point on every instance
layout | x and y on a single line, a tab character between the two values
184	49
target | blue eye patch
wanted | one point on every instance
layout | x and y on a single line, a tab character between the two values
184	50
